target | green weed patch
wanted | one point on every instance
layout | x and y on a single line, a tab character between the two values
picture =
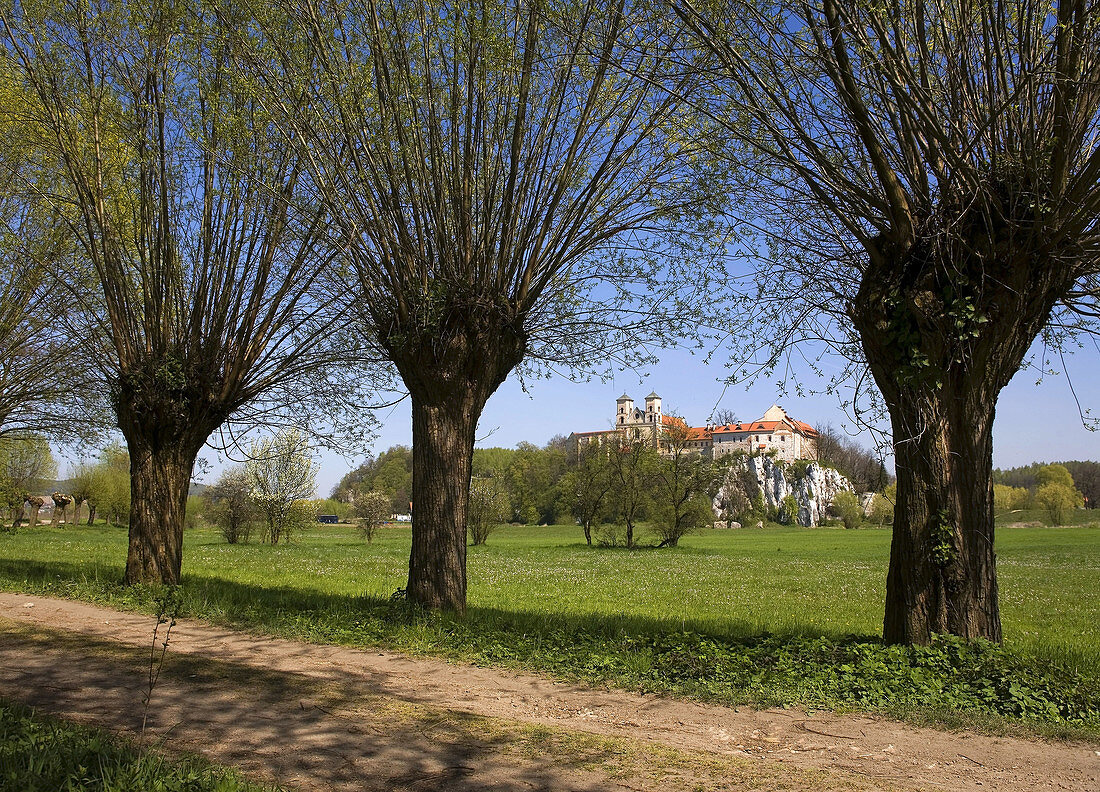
41	754
980	679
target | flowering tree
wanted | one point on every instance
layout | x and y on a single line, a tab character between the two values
372	509
282	477
488	507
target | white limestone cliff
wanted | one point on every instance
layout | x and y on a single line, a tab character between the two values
813	487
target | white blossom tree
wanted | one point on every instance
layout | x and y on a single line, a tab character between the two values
282	477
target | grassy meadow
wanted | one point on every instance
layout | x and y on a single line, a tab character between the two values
761	616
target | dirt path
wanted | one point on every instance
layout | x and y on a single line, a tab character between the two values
325	717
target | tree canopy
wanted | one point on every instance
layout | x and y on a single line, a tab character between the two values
46	384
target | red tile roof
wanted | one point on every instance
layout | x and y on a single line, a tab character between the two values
753	427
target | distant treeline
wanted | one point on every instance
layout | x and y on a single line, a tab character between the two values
1086	478
531	476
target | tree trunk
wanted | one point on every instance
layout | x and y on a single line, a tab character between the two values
18	512
588	533
33	521
944	327
159	478
443	449
60	510
451	364
943	576
91	513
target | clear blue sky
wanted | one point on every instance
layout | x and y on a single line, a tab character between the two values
1034	422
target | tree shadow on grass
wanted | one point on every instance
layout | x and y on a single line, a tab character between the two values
369	620
740	664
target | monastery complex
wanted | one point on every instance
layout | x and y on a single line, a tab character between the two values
774	431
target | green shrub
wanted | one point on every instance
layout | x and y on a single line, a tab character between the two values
1007	498
798	469
788	510
882	506
846	507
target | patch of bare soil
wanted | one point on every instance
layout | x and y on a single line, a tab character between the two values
327	717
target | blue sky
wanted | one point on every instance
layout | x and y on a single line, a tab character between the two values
1034	422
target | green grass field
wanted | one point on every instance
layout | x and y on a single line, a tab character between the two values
539	598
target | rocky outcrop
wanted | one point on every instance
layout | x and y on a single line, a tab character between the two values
752	479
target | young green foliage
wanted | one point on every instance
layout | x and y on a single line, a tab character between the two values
175	184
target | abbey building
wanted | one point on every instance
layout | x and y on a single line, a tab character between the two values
774	432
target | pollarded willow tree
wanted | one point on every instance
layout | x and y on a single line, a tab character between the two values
505	177
930	177
182	196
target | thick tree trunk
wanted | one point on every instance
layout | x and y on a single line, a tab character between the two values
60	509
33	521
443	448
159	478
91	514
944	328
451	363
942	576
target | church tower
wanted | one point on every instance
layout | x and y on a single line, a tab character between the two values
653	408
624	410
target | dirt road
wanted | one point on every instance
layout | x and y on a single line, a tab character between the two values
323	717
